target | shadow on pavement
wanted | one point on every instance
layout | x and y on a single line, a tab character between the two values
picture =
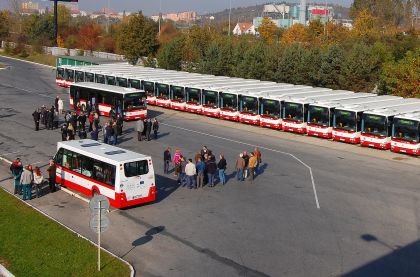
145	239
401	261
165	186
153	113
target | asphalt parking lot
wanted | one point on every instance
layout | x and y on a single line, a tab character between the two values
367	222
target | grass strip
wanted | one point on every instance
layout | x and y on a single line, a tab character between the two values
34	245
34	57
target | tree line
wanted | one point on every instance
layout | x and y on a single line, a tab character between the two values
376	55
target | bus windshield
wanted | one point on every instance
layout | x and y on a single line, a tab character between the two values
99	78
162	91
60	72
178	93
149	88
270	108
70	74
345	120
375	124
293	111
406	129
210	98
122	82
89	77
110	80
229	101
193	95
134	100
250	104
80	76
319	116
135	84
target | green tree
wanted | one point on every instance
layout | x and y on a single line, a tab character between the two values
170	56
64	19
137	38
253	64
388	11
402	78
39	29
361	68
331	67
4	24
240	46
217	58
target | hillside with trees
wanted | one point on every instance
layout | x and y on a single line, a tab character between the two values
381	53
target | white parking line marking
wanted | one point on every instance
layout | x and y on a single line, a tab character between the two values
261	147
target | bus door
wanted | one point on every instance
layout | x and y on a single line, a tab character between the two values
117	103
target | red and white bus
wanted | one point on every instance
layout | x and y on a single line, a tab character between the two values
125	177
131	102
377	124
347	120
406	134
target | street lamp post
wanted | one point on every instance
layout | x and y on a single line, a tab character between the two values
230	10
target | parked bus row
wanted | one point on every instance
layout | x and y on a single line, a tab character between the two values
345	116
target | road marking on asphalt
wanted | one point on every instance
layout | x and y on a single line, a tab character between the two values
29	91
261	147
9	153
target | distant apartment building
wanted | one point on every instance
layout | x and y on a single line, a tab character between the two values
29	7
243	28
188	16
284	16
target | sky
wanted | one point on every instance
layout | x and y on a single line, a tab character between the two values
150	7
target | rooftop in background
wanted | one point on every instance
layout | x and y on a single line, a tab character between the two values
83	60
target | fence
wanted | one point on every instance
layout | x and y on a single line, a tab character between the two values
58	51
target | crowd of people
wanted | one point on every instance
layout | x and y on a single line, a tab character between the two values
145	127
28	178
49	117
204	170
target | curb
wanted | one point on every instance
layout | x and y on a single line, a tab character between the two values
4	272
16	59
132	270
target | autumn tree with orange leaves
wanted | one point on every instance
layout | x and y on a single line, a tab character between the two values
88	36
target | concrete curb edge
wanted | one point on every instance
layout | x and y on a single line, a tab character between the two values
16	59
4	272
132	270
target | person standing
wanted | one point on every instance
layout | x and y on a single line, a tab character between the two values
190	172
70	132
251	166
60	106
91	119
38	179
140	129
44	116
114	133
148	129
211	168
155	127
56	103
177	162
16	169
56	120
26	180
120	123
51	175
94	134
240	165
64	132
182	179
37	116
257	153
166	160
82	121
246	159
200	166
221	167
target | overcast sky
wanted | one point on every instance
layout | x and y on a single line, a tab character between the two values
150	7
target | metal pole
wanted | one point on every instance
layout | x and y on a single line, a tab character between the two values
230	10
55	22
160	13
99	237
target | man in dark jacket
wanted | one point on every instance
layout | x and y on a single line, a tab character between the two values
120	123
64	132
82	120
148	129
37	116
166	160
44	117
51	175
155	127
211	168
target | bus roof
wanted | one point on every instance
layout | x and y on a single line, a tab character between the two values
410	116
108	153
365	98
392	111
372	105
307	99
110	88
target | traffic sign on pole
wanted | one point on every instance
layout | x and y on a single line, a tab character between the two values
99	222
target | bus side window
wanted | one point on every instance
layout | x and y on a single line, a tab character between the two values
87	166
98	171
58	159
109	174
